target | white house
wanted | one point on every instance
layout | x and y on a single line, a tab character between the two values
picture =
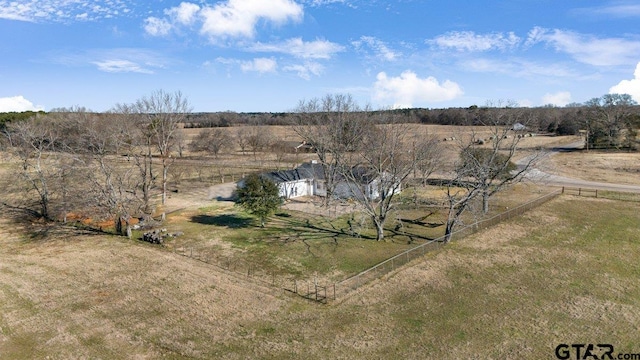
309	180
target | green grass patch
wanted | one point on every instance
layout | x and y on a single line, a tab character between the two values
292	243
302	245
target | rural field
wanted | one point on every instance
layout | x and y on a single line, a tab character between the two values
554	275
565	272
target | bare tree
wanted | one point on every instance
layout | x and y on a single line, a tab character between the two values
334	127
181	142
137	143
259	139
163	113
607	118
426	156
486	163
34	142
114	184
211	140
385	161
241	137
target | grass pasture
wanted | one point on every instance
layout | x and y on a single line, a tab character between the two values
602	166
556	275
304	246
563	273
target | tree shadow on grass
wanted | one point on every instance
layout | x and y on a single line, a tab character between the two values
38	229
307	230
228	220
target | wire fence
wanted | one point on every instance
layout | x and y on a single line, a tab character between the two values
230	265
309	289
350	284
602	194
323	293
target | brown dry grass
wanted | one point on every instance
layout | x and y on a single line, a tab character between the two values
618	168
514	291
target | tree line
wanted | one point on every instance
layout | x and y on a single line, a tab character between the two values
609	121
112	164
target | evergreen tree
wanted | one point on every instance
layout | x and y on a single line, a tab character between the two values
259	196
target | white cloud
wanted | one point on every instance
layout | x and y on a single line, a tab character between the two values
519	68
318	49
116	60
306	70
381	50
16	11
157	27
588	49
260	65
472	42
238	18
17	104
408	88
225	61
326	2
184	14
227	19
631	87
617	10
62	10
561	98
121	66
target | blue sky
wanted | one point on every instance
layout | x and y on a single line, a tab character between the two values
267	55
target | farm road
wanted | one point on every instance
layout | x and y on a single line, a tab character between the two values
543	177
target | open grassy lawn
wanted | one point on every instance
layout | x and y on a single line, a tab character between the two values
566	272
292	245
299	245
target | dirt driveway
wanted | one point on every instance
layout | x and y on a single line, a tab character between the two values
200	197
